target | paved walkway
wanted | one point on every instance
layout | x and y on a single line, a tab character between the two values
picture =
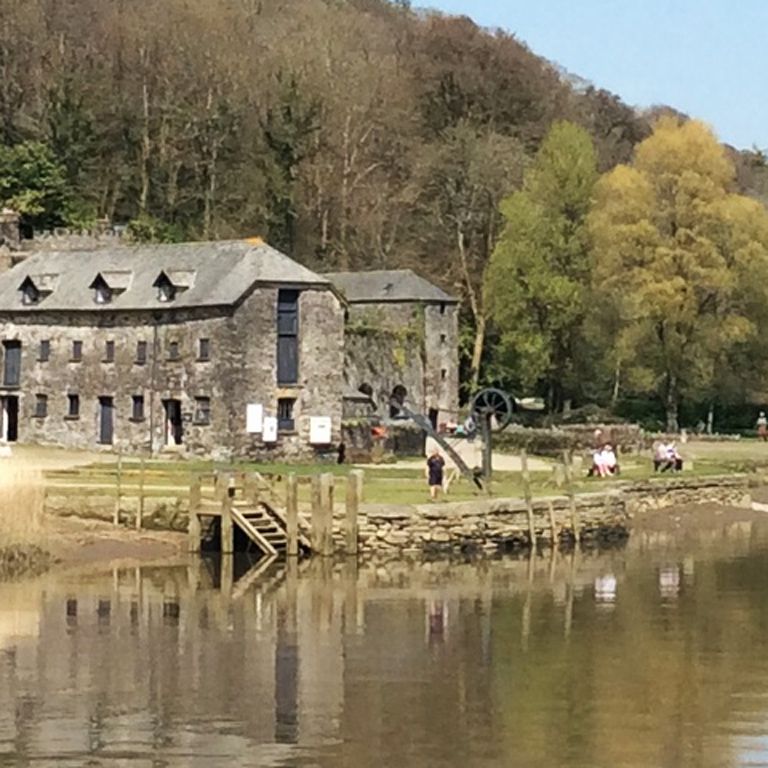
472	454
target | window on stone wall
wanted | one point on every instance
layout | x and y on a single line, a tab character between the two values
45	351
173	350
12	363
141	353
109	352
287	337
41	406
202	410
443	374
396	401
442	308
73	406
137	408
77	351
204	350
443	338
285	420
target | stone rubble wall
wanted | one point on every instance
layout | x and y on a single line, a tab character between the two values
477	525
494	523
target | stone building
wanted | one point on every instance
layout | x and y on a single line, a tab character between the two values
401	342
227	348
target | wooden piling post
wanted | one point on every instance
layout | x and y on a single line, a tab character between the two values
292	515
322	514
193	528
575	525
140	508
552	524
118	489
528	499
354	496
227	529
251	488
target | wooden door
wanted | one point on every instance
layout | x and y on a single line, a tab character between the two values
106	420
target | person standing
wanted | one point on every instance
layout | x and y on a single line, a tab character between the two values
762	426
435	466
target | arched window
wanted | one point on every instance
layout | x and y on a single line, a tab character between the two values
396	401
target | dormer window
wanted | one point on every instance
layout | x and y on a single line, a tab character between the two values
29	293
169	283
107	285
102	293
166	292
34	288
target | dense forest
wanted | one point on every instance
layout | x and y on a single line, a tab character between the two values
352	134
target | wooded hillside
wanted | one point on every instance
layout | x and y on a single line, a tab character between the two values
321	125
352	134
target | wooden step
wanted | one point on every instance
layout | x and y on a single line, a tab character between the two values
253	534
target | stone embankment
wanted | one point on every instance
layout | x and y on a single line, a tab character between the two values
490	524
481	524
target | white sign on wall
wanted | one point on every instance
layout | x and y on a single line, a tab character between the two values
269	429
320	430
254	418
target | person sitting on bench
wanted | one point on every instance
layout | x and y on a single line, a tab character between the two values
604	462
666	458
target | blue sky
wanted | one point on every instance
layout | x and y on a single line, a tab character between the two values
707	58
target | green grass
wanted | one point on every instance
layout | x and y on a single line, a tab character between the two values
382	485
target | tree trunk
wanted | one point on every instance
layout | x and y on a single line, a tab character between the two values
477	310
146	147
477	352
711	419
616	385
671	404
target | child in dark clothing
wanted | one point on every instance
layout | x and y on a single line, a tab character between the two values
435	465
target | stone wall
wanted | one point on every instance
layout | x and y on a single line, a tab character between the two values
730	491
485	524
477	525
241	370
495	523
408	345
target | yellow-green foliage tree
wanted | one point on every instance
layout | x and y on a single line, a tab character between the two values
680	265
537	282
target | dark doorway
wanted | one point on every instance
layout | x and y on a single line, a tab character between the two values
433	416
10	419
106	420
174	426
12	363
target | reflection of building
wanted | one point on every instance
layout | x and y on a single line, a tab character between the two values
401	342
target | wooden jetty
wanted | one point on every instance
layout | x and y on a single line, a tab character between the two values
238	511
231	511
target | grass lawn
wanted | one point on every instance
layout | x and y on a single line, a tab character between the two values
398	485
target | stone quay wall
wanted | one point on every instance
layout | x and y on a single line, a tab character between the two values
491	524
476	525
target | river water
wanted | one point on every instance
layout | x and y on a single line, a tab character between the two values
654	655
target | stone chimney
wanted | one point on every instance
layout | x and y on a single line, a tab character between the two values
10	234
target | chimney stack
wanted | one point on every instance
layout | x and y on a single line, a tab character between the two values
10	234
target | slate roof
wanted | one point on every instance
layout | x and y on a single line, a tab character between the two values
389	285
223	272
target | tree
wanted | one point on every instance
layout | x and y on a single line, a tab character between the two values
32	182
680	264
537	282
459	183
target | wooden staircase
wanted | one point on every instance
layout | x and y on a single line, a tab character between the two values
260	527
242	506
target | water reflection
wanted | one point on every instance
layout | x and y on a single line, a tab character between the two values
649	656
